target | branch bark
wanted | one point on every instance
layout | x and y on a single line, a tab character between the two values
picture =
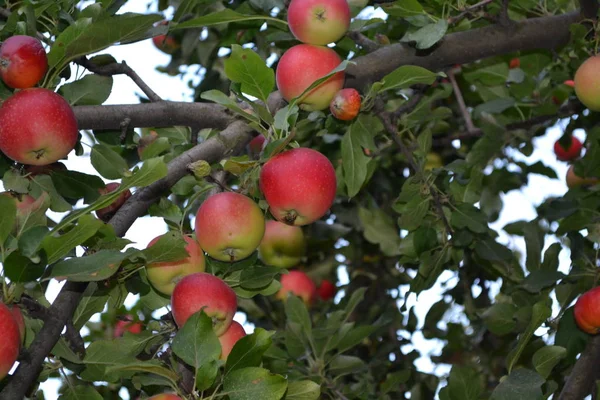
579	383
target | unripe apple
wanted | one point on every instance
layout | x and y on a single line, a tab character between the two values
10	345
297	283
282	246
299	185
128	325
318	22
166	43
587	311
229	226
37	127
345	105
23	61
326	290
300	67
433	160
163	276
575	180
570	153
202	291
230	338
18	316
514	63
106	213
587	83
165	396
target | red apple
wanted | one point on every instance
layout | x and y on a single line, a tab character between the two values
570	83
204	291
570	153
587	311
318	22
128	325
575	180
166	43
106	213
299	284
282	246
300	67
514	63
326	290
257	144
23	61
587	83
165	396
34	170
18	316
229	226
37	127
163	276
345	105
230	338
299	185
10	345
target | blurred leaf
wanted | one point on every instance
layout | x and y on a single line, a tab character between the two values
539	314
227	16
254	383
80	393
404	77
8	216
379	229
521	384
428	35
465	383
546	358
303	390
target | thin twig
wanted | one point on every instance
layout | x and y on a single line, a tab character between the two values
367	44
461	103
124	127
468	10
503	17
74	339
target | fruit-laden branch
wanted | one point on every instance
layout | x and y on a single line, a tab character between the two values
579	383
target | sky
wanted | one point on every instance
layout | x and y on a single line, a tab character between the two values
143	57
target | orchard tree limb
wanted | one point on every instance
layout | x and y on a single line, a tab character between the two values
589	8
579	383
367	44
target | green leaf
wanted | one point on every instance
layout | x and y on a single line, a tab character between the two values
428	35
258	276
80	392
404	77
149	367
491	250
359	136
470	217
221	98
500	318
108	162
303	390
8	216
249	350
540	313
254	383
546	358
19	268
403	8
91	90
196	343
540	279
521	384
379	229
343	365
92	302
58	246
296	312
465	383
246	67
169	247
227	16
96	267
354	337
77	185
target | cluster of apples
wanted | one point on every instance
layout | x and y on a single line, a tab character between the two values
12	326
37	126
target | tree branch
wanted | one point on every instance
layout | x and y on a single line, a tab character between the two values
461	103
367	44
579	383
589	8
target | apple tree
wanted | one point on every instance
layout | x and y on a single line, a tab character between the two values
374	140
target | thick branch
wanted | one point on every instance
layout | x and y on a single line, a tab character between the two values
579	383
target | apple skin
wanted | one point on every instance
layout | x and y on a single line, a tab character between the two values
345	105
23	61
570	83
37	127
166	43
433	160
573	152
204	291
299	185
106	213
514	63
229	226
573	180
127	325
10	345
300	67
18	316
318	22
282	246
256	145
163	276
587	81
326	290
297	283
165	396
587	311
230	338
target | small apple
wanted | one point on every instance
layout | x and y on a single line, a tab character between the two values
300	67
37	127
127	324
166	43
297	283
570	153
282	246
256	145
345	105
326	290
299	185
433	160
106	213
587	311
318	22
23	61
18	316
165	396
202	291
229	226
230	338
163	276
575	181
570	83
10	345
514	63
587	83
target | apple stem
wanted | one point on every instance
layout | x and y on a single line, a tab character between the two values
290	217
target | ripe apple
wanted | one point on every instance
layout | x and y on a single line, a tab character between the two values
18	316
297	283
514	63
433	160
570	153
345	105
570	83
204	291
165	396
166	43
587	83
23	61
318	22
128	325
230	338
587	311
37	127
163	276
575	181
10	345
299	185
326	290
229	226
282	246
106	213
300	67
256	145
